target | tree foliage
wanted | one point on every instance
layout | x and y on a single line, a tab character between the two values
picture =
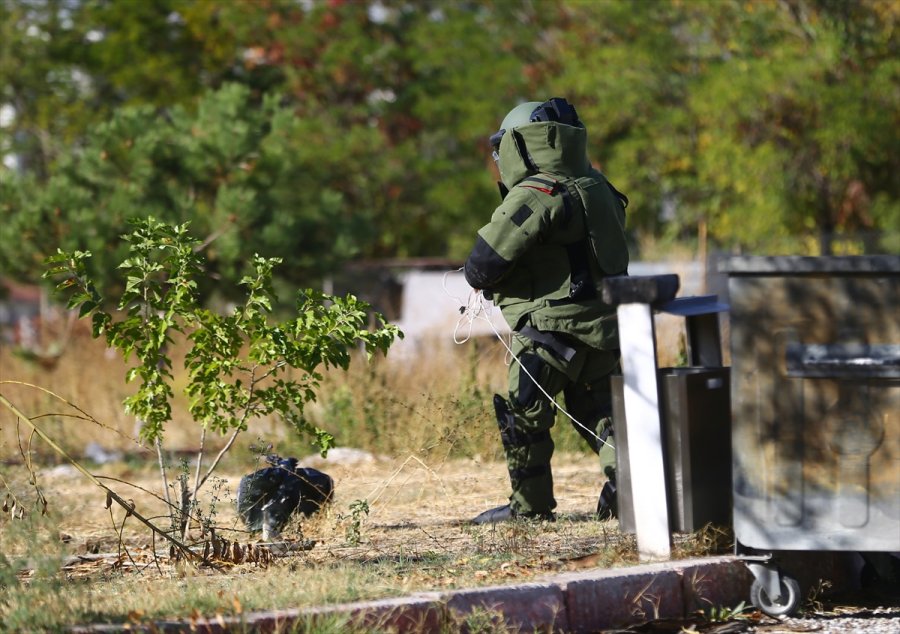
244	173
325	130
238	363
764	122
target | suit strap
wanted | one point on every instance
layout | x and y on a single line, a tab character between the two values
541	184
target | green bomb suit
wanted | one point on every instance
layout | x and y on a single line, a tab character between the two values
558	232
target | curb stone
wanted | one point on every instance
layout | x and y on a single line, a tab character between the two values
598	603
585	601
527	606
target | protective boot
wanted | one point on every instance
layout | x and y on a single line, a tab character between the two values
528	461
505	513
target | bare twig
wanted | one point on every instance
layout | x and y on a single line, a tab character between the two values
234	434
184	517
133	485
215	235
153	550
219	456
84	414
110	494
165	478
197	483
384	485
120	530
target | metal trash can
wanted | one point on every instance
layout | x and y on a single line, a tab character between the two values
815	383
694	415
696	425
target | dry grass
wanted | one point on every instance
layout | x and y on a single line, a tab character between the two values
434	463
415	537
391	405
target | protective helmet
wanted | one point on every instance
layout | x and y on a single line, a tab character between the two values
557	109
520	115
554	109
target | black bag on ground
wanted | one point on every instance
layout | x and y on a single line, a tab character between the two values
267	498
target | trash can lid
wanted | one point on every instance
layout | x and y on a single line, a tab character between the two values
694	305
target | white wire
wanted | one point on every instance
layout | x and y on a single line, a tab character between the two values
465	316
467	319
475	309
469	311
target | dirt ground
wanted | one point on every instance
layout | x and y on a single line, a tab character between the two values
412	506
399	523
409	501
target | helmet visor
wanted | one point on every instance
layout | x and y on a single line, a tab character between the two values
495	139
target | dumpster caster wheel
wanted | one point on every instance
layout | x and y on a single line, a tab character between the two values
785	606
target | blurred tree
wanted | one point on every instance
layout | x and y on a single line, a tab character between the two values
236	169
629	74
759	125
66	65
799	121
406	102
460	100
377	136
753	123
40	82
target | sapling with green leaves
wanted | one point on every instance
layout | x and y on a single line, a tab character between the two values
241	366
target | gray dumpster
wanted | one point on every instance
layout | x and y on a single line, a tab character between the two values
815	381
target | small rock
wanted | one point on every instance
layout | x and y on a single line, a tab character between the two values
61	471
96	453
340	455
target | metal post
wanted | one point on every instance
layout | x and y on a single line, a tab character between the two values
637	339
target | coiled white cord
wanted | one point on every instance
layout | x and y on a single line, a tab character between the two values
476	308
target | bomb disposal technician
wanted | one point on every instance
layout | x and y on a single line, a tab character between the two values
558	232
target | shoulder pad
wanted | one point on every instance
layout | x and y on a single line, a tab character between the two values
542	183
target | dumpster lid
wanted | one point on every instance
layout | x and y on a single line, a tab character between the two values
808	265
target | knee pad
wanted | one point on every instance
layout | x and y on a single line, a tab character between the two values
510	434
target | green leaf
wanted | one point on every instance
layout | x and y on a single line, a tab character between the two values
86	307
